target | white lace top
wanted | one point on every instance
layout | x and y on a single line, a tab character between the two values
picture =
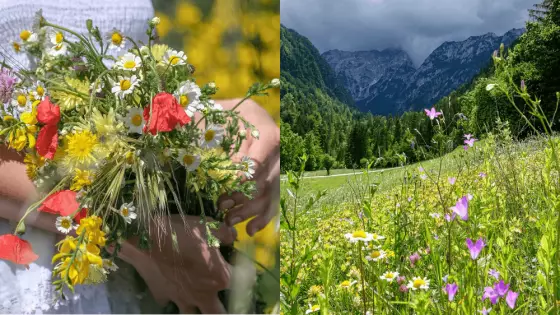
29	291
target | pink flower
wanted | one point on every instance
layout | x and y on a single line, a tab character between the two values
452	180
461	208
414	258
475	248
403	288
511	298
432	113
451	290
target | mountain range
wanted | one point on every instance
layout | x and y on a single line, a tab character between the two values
387	82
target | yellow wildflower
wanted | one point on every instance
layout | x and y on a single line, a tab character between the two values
81	179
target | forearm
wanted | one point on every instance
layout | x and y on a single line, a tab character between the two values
17	192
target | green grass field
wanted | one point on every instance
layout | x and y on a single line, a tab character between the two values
513	210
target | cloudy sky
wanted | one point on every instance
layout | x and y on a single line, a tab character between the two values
417	26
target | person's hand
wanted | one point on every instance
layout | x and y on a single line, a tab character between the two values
191	278
265	151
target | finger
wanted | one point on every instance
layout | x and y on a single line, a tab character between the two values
260	221
185	307
248	210
211	305
226	234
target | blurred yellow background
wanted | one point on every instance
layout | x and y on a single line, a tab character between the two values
233	43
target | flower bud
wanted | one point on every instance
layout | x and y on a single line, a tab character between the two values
243	133
255	133
212	85
275	82
155	21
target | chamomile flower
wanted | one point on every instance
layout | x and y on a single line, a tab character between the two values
376	255
64	224
37	92
58	50
212	137
128	212
56	37
129	62
418	283
358	236
116	39
389	276
346	284
188	95
248	167
125	86
21	101
188	160
110	265
313	309
28	36
215	106
134	120
174	58
377	237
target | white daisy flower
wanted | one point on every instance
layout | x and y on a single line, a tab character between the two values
21	101
376	255
347	284
212	137
125	86
313	309
248	167
389	276
418	283
28	36
110	265
189	161
134	120
128	212
215	106
56	37
358	236
116	39
129	62
174	58
39	91
377	237
188	95
64	224
58	50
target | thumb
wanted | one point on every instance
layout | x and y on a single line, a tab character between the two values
225	234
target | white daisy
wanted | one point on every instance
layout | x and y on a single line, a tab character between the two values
110	265
56	37
215	106
39	91
117	40
128	212
129	62
58	50
248	167
174	58
125	86
376	255
21	101
189	161
100	85
313	309
212	137
134	120
418	283
377	237
28	36
64	224
358	236
389	276
347	284
188	95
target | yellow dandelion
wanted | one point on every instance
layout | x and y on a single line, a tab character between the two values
81	179
79	150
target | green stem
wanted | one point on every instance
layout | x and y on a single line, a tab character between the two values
362	275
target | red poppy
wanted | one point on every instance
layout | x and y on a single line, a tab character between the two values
62	202
82	214
166	114
16	250
48	113
47	141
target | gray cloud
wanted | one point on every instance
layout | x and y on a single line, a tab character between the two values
416	26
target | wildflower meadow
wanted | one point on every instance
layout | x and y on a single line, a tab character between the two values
473	231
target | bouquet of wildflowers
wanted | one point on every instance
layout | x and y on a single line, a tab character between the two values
113	140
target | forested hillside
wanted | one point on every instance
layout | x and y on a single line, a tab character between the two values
317	117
